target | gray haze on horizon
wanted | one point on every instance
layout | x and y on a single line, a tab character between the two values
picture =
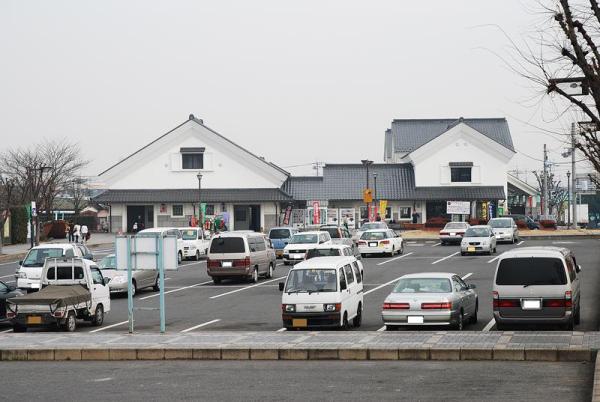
295	82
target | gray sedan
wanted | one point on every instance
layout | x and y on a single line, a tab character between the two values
118	278
430	299
478	239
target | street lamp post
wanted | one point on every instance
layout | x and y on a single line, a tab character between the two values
568	201
375	192
199	176
366	163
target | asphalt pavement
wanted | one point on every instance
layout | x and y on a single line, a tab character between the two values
194	303
299	381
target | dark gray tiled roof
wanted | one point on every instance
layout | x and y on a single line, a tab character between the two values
191	195
347	181
411	134
460	193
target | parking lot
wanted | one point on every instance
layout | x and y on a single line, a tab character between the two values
194	303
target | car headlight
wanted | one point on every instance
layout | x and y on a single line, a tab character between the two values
22	275
288	308
331	307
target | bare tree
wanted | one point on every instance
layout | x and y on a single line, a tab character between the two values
8	197
79	194
557	194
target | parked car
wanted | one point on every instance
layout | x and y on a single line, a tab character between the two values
335	250
280	237
30	269
430	299
300	243
380	241
368	226
478	239
117	279
6	292
453	232
537	285
195	242
85	251
247	255
338	234
505	229
524	220
167	232
323	292
72	288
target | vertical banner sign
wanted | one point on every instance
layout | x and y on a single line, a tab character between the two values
288	214
370	213
484	210
202	212
33	209
316	213
383	208
490	210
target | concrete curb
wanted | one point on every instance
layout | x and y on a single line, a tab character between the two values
596	384
363	353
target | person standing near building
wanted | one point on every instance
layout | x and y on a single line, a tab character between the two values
84	233
76	233
135	227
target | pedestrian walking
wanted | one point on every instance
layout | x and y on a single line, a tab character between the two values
76	232
84	233
135	227
68	232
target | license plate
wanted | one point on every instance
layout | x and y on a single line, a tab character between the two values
532	304
373	244
226	264
471	249
452	234
415	319
297	256
299	322
34	319
35	286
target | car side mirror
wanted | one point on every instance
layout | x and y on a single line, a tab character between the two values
21	262
471	286
252	249
11	288
578	268
281	285
343	285
105	281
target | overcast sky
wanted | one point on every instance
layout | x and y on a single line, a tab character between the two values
296	82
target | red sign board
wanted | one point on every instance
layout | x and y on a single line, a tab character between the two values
288	213
316	213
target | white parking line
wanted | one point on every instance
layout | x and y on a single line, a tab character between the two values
467	275
5	331
394	259
8	263
445	258
381	329
192	263
380	286
489	325
493	259
281	330
436	244
200	325
176	290
247	287
7	276
521	242
109	326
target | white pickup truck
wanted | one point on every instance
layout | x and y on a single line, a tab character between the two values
71	289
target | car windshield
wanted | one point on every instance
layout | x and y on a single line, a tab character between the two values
37	256
373	225
279	234
311	280
333	232
373	236
455	225
323	252
528	271
477	232
189	234
301	238
108	262
227	245
423	285
500	223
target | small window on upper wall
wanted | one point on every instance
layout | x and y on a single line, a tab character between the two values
460	174
177	210
192	158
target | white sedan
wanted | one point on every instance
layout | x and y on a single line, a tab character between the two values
380	241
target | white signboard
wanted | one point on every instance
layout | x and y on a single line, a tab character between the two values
458	207
144	252
332	216
347	217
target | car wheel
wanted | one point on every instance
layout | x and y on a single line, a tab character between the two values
495	251
19	328
179	258
402	249
474	316
460	322
570	326
270	271
357	321
393	251
391	328
70	323
156	286
133	288
254	277
500	327
578	315
98	316
216	281
345	323
197	255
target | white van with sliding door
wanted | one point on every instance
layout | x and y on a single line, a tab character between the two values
323	292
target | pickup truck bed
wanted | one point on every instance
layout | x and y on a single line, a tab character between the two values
58	296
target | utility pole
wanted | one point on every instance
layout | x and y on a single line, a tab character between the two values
569	200
573	173
545	183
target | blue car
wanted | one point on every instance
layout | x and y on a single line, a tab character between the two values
280	237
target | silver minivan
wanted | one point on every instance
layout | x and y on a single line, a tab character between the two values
537	285
242	254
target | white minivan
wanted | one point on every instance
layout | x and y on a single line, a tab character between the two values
323	292
168	232
30	269
195	242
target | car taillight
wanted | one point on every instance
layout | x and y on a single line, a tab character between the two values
10	314
385	242
495	295
362	243
396	306
213	263
436	306
504	303
568	299
556	303
58	313
443	233
241	263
